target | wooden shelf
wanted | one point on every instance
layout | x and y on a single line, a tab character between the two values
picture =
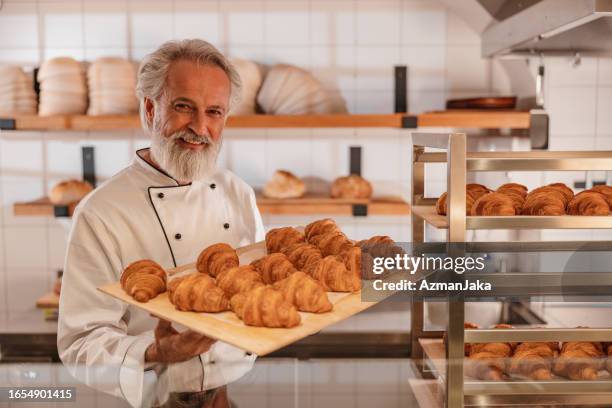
311	204
460	119
42	207
429	214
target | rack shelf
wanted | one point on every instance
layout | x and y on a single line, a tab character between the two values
429	214
460	119
301	206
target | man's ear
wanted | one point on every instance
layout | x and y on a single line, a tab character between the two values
149	109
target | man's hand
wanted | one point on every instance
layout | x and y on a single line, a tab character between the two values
173	347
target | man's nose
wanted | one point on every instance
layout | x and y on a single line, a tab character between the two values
200	123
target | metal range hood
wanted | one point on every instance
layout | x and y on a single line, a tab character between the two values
541	26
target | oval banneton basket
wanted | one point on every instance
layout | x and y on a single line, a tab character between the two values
228	328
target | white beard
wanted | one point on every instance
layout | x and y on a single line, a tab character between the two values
181	163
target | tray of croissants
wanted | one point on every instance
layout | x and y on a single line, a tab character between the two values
537	361
510	199
259	297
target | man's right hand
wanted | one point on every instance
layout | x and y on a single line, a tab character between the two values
171	346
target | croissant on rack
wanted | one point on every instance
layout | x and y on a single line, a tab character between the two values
544	201
305	293
197	292
442	205
274	267
279	238
264	306
217	258
143	280
467	347
477	189
487	361
566	193
606	191
588	203
239	279
579	360
608	347
516	192
493	204
534	360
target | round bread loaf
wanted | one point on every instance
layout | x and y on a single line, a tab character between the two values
69	191
284	184
352	186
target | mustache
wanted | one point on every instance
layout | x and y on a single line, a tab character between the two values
191	137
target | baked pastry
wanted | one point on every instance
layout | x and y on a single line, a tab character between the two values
477	189
493	204
320	227
143	280
606	191
216	258
352	186
487	361
264	306
544	201
305	293
534	360
566	193
331	243
197	292
273	267
588	203
579	360
332	273
608	350
279	238
69	191
239	279
379	246
516	192
442	205
284	184
302	254
466	346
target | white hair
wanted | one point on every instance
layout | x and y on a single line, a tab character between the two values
153	70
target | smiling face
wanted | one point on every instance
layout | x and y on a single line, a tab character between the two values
188	119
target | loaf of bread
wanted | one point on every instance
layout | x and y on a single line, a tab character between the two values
352	186
284	184
69	191
588	203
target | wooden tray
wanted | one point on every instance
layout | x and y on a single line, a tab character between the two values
227	327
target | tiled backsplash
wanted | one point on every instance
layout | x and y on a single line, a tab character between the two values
351	45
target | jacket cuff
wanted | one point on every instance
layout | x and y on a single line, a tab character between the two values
134	382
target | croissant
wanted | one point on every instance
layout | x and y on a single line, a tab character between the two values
216	258
331	243
305	293
487	361
331	272
239	279
477	189
493	204
320	227
467	347
544	202
143	280
566	193
579	360
513	187
608	347
274	267
379	246
442	205
534	360
606	191
197	292
588	203
264	306
279	238
303	254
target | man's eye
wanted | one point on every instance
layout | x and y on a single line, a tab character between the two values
182	107
215	112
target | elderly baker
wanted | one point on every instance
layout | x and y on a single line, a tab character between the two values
168	205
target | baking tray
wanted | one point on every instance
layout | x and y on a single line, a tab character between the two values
228	328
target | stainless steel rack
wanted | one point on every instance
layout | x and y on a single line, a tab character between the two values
427	347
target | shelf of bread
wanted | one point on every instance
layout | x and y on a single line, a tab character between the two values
42	207
459	119
527	160
435	357
429	215
324	204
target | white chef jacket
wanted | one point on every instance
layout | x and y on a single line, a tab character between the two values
142	213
